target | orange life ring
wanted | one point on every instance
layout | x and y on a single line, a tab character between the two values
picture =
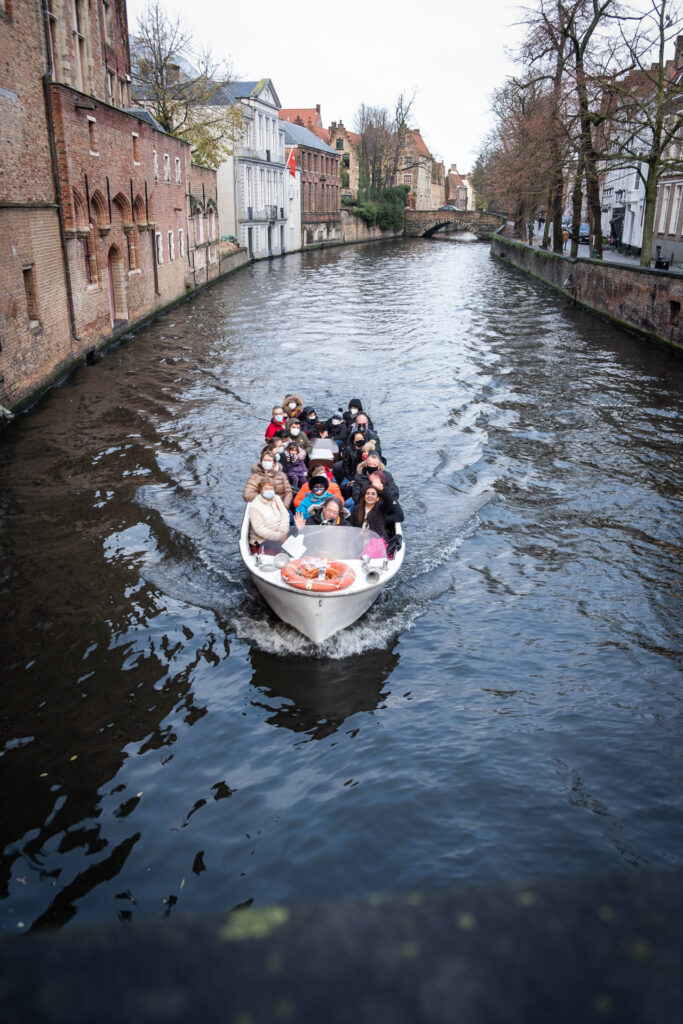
303	573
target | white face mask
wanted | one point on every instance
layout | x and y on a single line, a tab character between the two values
279	418
354	412
268	494
292	405
295	433
267	464
335	422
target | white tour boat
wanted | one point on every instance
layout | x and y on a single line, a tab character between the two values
326	577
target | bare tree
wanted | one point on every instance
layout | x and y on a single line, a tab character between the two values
186	89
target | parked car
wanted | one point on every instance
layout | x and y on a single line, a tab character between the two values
448	207
584	234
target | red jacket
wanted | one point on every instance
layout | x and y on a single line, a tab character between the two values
273	428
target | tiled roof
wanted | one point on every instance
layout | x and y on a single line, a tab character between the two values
295	135
309	116
145	115
420	143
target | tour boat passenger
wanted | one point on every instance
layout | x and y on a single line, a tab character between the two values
294	465
365	470
317	495
268	469
345	468
309	422
277	423
330	485
294	432
336	428
268	519
355	406
363	425
293	406
376	512
332	513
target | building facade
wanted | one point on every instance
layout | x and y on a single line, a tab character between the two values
347	144
320	186
251	181
415	170
93	195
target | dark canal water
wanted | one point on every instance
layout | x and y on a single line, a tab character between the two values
510	710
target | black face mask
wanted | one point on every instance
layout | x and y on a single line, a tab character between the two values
362	427
359	444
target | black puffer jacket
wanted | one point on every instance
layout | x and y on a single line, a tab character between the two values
360	482
310	427
385	513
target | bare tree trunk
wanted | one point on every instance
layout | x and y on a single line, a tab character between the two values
577	200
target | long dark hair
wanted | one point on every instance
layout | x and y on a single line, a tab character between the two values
361	503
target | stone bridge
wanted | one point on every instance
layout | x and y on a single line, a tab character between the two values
425	223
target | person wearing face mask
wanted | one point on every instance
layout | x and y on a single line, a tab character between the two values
277	423
309	422
293	405
336	428
366	469
351	454
355	406
316	498
268	519
328	485
268	468
294	433
363	425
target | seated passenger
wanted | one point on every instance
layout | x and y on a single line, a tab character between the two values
277	423
293	406
332	513
295	467
309	422
317	495
336	428
328	485
363	425
268	469
368	468
355	406
293	432
377	512
268	519
345	468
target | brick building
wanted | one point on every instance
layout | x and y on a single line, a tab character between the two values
438	186
94	197
415	170
459	190
320	186
348	145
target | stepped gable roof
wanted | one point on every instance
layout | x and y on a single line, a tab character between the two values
297	135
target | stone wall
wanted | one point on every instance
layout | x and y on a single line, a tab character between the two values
637	298
354	229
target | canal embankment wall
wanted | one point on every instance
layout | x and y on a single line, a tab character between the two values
638	299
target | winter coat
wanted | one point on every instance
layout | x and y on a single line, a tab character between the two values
301	439
297	474
349	420
350	457
274	428
385	512
310	428
360	482
268	519
293	413
314	500
332	489
337	433
280	482
316	518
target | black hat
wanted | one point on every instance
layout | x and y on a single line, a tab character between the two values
356	403
318	481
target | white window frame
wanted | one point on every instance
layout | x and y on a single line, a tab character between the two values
167	167
178	172
181	243
171	247
160	248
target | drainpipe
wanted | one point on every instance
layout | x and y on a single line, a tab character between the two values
47	79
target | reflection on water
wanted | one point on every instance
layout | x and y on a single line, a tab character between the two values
316	696
510	706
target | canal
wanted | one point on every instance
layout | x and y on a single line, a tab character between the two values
510	710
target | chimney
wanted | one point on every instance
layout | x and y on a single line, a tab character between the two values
317	108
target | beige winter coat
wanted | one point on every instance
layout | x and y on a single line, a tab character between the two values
282	486
268	519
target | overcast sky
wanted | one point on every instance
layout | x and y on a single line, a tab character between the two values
341	55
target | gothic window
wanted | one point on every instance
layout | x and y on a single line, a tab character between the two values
167	167
156	165
178	176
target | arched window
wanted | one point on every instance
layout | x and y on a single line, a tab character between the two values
198	225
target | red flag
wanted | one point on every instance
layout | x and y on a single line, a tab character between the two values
290	163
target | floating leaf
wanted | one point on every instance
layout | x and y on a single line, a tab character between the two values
253	923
